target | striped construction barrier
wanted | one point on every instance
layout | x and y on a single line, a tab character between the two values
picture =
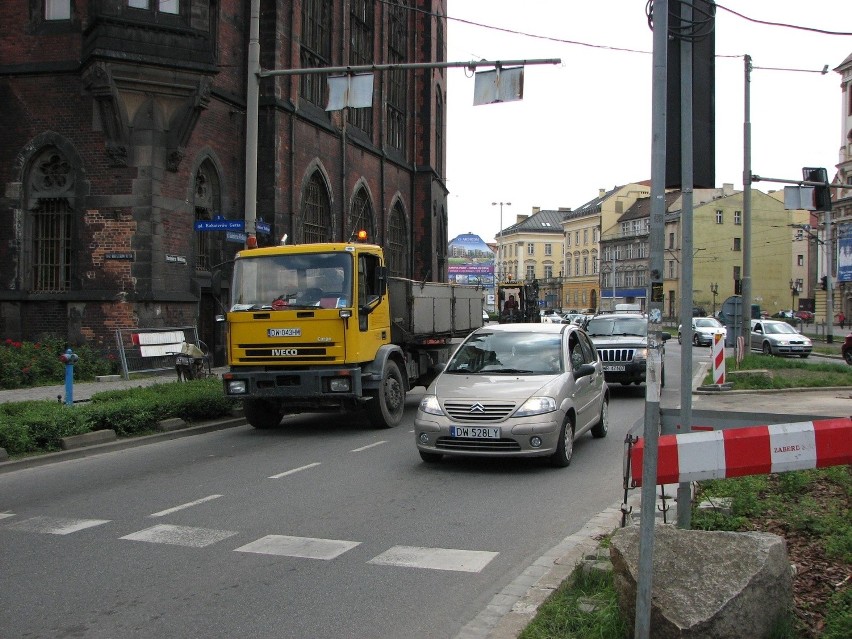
718	357
754	450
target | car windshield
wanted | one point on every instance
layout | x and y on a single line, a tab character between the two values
508	353
617	326
708	322
781	328
292	281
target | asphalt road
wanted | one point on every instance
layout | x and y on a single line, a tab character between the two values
323	528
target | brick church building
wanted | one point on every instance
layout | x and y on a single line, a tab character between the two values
124	126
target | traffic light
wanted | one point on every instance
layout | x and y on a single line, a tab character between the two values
822	195
823	282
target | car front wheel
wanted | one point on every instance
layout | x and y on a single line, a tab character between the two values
565	446
767	349
600	429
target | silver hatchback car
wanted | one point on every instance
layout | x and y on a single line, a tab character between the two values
516	390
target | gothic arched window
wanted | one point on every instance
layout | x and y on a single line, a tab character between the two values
316	212
207	203
50	193
397	244
361	216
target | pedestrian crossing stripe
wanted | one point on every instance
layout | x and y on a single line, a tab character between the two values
55	525
303	547
180	535
435	558
5	515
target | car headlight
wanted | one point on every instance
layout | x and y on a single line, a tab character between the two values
429	404
536	406
640	354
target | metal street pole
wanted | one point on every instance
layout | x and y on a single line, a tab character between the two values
684	489
500	243
651	432
747	178
252	94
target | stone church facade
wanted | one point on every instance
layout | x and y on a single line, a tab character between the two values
124	131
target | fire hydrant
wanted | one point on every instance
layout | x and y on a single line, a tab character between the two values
69	359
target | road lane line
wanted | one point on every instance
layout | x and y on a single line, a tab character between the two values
169	511
295	470
180	535
302	547
358	450
435	558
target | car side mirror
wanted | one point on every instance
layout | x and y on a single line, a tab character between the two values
584	370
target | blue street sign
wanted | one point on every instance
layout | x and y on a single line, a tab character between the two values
219	224
240	238
263	227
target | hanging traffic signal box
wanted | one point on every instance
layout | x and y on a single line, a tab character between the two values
822	195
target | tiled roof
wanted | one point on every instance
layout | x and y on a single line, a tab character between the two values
539	222
641	208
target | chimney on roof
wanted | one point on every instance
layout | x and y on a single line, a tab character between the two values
536	209
601	192
521	218
565	209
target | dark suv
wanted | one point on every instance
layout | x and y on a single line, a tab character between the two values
621	340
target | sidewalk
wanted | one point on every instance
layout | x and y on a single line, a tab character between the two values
83	391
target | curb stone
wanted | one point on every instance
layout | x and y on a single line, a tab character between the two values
11	465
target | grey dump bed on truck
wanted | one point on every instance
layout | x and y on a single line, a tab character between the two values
421	310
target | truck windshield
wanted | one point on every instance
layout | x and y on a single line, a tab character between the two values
305	280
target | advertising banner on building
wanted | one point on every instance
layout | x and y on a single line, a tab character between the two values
844	254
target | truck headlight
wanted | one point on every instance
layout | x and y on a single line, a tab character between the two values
339	385
237	387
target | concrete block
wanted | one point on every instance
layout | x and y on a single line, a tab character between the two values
170	424
3	454
87	439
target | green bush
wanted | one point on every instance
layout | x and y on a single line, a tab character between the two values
28	427
26	364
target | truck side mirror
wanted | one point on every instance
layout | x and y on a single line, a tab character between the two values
382	280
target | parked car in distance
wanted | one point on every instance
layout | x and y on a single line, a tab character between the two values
549	316
515	390
785	314
703	330
846	349
698	311
774	337
805	316
622	343
485	316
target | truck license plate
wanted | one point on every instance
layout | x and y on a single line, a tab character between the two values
284	332
475	431
614	369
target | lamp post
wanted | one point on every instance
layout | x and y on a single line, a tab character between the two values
714	288
500	274
795	287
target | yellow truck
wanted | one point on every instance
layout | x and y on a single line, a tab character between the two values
323	328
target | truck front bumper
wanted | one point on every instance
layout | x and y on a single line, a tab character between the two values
307	385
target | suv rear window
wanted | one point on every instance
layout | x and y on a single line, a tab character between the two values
617	326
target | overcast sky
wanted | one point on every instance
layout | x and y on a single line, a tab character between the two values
586	124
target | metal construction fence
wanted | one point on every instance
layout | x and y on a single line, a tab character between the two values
152	350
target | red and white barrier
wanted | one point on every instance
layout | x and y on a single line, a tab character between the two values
717	355
755	450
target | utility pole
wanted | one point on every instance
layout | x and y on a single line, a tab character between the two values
747	179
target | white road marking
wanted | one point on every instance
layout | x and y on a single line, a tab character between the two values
180	535
304	547
358	450
295	470
169	511
55	525
435	558
5	515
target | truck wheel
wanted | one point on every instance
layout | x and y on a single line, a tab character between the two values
261	413
386	406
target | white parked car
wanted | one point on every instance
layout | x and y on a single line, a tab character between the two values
774	337
703	330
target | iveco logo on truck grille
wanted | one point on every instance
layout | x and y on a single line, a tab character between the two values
284	352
